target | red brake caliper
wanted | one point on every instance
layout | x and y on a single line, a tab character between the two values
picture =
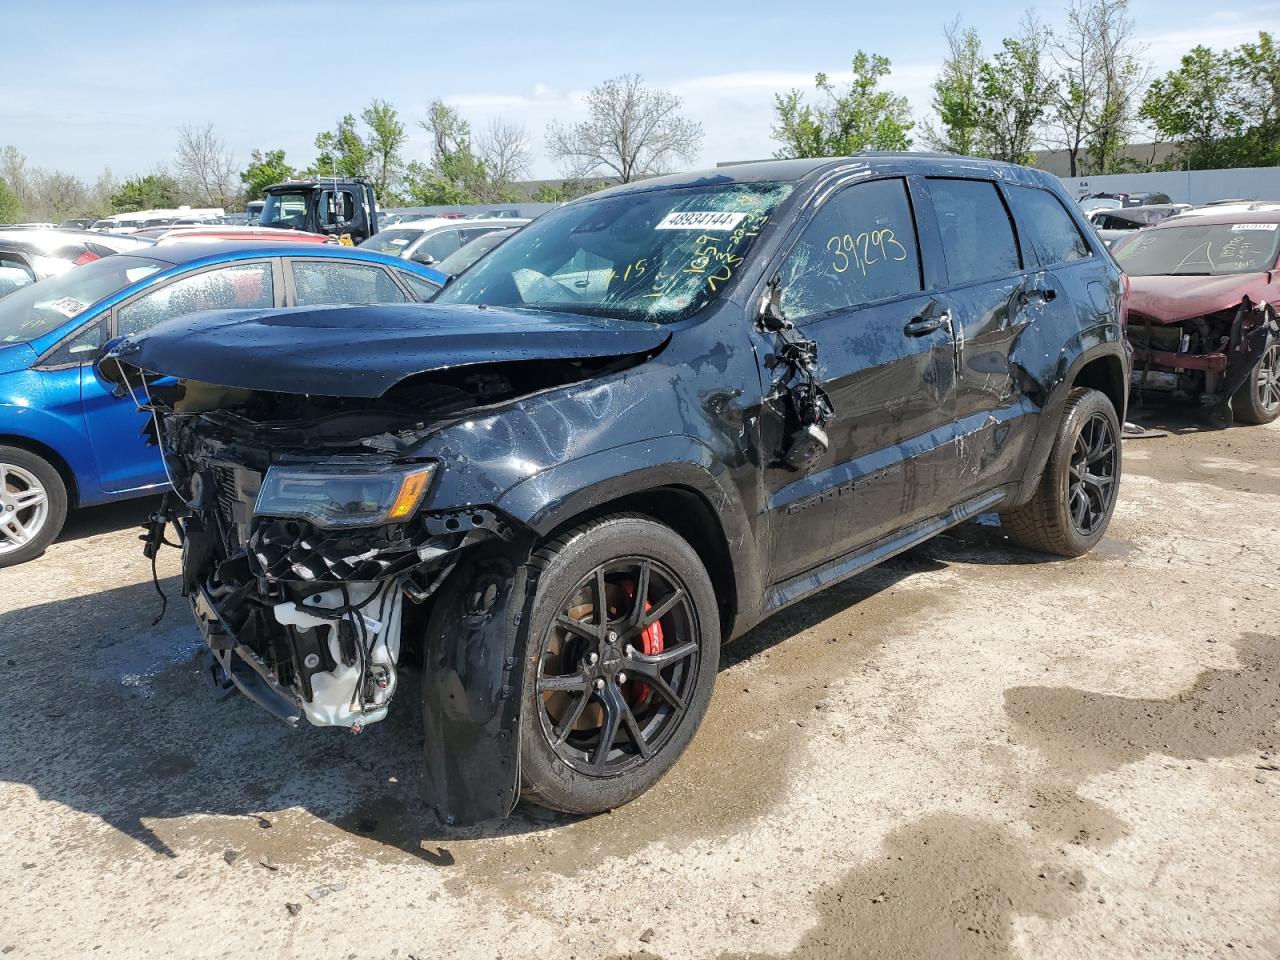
650	642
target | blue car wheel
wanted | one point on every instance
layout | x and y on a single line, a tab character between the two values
33	505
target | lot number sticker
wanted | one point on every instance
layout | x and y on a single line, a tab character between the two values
1241	227
700	220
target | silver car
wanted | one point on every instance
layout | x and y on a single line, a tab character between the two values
430	241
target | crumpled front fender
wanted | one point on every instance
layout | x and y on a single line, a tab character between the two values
473	670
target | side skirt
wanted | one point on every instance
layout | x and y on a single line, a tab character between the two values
802	585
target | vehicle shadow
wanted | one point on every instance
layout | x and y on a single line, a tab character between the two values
107	518
125	729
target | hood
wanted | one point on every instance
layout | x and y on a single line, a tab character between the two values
1172	299
364	351
16	356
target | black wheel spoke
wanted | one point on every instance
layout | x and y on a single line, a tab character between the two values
647	662
663	689
634	731
640	600
662	609
614	705
1097	455
575	681
601	600
565	726
580	628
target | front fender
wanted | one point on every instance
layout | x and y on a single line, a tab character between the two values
558	495
63	437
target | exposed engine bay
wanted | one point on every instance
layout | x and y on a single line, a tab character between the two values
302	535
1202	360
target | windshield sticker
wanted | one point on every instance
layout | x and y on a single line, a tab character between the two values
700	220
68	306
1240	227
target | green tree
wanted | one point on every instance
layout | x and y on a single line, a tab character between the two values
861	117
341	152
10	206
154	191
1015	92
384	147
956	94
455	174
264	169
1220	108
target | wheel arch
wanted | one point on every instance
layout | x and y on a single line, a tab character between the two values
674	481
52	456
1105	373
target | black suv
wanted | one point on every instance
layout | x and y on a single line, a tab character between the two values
648	420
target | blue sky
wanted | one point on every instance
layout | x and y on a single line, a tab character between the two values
89	85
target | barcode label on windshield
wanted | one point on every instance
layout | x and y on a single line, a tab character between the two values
1238	227
700	220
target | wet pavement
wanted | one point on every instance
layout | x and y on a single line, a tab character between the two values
971	751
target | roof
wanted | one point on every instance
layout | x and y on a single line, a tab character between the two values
225	250
1215	219
796	170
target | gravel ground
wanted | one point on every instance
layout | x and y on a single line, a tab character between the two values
971	751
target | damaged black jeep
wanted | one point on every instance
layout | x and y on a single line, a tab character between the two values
644	423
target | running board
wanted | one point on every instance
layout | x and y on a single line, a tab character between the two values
800	586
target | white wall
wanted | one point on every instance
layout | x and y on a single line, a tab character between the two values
1196	186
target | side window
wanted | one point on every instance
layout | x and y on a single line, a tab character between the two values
422	290
236	286
1043	221
318	283
469	235
332	204
436	247
14	274
977	237
80	347
860	247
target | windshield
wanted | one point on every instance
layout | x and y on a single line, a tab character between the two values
35	310
1201	250
462	258
284	210
650	255
391	241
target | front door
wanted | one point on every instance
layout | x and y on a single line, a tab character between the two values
853	282
114	424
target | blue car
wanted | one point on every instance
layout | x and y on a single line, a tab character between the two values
66	439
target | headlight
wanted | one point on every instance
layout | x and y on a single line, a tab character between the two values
344	496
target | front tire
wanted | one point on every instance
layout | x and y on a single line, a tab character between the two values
1258	399
624	645
33	505
1077	494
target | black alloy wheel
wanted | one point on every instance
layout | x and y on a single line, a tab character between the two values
618	668
1092	488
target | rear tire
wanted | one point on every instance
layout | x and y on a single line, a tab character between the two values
33	505
1072	506
610	704
1258	399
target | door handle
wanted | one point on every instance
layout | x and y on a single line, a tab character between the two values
926	323
1045	294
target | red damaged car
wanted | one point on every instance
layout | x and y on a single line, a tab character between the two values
1203	304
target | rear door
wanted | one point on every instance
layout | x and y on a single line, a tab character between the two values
997	290
854	283
325	282
114	424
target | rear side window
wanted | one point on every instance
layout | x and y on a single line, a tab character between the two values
1047	227
859	248
234	287
436	247
318	284
977	236
422	290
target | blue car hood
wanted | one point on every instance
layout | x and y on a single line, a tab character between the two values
16	356
364	351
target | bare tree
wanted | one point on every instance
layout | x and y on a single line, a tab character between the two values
633	131
13	171
503	147
1100	73
1125	72
205	167
60	195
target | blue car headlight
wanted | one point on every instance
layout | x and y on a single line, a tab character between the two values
333	496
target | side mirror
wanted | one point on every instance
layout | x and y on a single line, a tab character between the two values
771	314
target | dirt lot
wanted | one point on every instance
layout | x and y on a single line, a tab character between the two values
969	752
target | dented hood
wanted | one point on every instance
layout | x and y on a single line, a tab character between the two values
1173	299
364	351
